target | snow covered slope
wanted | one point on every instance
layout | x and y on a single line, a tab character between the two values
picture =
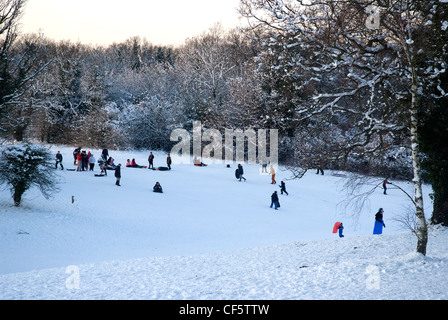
209	236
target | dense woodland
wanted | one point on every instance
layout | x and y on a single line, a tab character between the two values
361	95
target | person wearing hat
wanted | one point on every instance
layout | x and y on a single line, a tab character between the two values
379	222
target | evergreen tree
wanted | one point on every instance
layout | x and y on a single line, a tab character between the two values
24	166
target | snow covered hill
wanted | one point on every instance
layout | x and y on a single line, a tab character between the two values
209	236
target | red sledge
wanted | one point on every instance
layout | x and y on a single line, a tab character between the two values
336	227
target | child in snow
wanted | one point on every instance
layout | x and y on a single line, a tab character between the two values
157	188
283	188
118	174
91	162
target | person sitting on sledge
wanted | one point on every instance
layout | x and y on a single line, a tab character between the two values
157	188
134	164
198	162
128	163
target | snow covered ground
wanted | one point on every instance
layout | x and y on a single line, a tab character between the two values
210	237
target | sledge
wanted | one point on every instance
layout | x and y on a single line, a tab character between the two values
162	168
70	169
100	175
237	173
336	227
378	227
144	167
200	165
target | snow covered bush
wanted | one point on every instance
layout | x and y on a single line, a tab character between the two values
23	166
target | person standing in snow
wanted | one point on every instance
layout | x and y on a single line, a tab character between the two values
118	174
59	160
283	188
91	162
151	160
319	166
385	183
274	200
241	172
379	222
272	173
75	154
168	161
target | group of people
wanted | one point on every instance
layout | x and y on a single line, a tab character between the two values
82	159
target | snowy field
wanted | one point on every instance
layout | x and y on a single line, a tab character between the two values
210	237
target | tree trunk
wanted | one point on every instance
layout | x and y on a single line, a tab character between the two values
422	229
17	198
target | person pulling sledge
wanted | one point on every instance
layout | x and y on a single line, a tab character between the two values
118	174
340	229
379	222
385	183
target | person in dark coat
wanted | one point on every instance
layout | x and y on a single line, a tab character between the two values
157	188
283	188
168	161
379	222
151	160
59	160
118	174
241	172
105	154
274	200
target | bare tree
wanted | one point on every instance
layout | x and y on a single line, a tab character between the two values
20	62
368	66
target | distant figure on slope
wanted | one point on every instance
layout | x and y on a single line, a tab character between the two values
274	200
240	172
91	162
168	161
118	174
157	188
319	166
151	160
59	160
379	222
385	183
197	162
272	173
283	188
340	229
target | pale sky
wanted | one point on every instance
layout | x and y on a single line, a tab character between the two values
102	22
